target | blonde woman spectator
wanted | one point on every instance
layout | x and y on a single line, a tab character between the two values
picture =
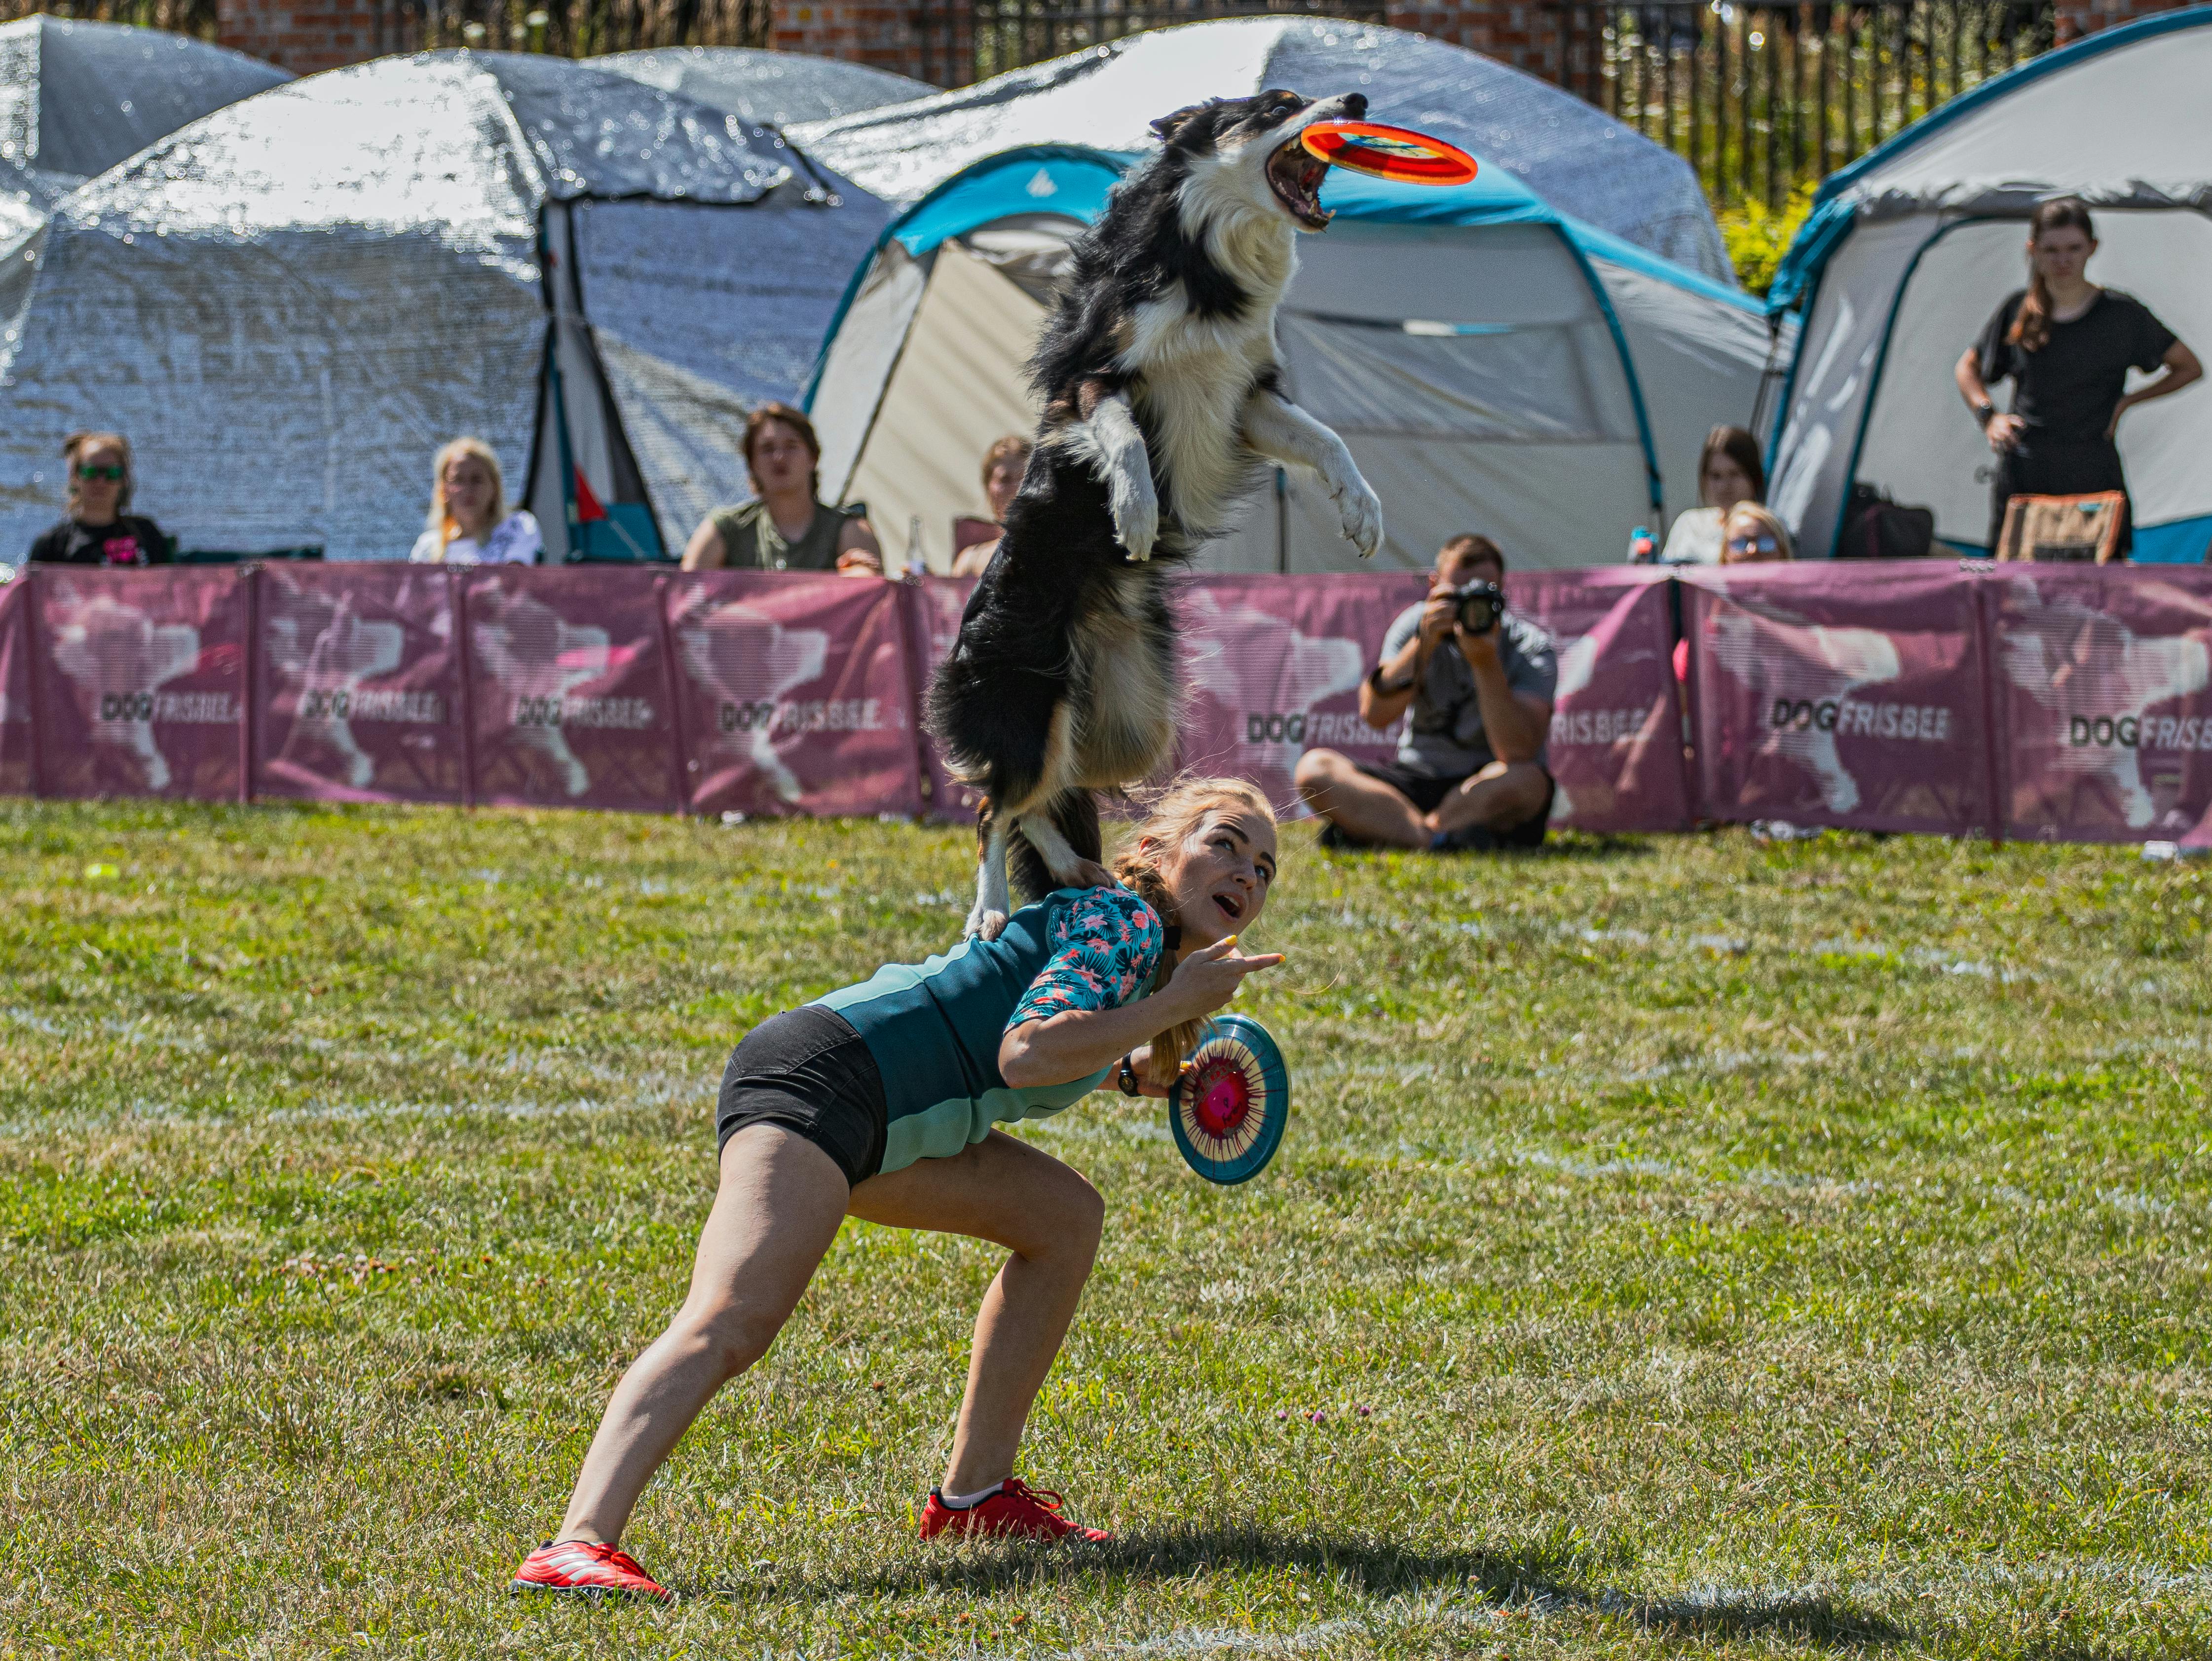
97	532
786	526
1751	535
1003	464
1729	471
470	523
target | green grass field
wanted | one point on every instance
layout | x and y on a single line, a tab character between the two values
1680	1247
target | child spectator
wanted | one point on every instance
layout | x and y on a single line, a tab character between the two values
786	526
1003	464
469	522
97	532
1729	471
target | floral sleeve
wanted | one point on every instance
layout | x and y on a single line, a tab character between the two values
1106	943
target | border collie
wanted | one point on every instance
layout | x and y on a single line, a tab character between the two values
1163	404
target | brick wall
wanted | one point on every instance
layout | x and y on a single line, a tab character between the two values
303	35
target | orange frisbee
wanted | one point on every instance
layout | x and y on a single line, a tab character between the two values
1399	152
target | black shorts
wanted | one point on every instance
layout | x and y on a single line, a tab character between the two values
1427	795
808	1071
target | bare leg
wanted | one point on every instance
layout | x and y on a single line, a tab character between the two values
1502	796
775	1212
1365	808
1011	1194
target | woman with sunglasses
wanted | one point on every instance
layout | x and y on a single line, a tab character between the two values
97	531
1752	535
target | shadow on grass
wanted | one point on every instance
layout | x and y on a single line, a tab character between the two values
1533	1583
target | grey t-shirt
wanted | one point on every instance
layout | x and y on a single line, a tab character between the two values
1443	736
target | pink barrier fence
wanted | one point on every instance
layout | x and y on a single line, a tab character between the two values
2046	703
1824	696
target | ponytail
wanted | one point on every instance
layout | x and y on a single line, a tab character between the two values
2031	326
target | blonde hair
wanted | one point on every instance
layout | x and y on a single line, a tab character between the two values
1764	517
77	443
439	520
1174	817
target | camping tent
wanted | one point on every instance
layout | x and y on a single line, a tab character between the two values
765	88
1492	365
1573	156
290	304
77	98
1909	250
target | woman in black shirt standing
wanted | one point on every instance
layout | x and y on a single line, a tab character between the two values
2067	346
97	532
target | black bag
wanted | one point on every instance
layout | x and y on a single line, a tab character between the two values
1875	527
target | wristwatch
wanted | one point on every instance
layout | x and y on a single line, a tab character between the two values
1986	412
1127	1080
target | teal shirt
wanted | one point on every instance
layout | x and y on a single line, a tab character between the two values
934	1027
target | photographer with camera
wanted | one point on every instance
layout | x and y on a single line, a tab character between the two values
1470	770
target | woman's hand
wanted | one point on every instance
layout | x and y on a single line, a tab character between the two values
2005	432
2128	401
1209	977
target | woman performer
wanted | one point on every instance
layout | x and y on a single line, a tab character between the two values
2067	346
879	1101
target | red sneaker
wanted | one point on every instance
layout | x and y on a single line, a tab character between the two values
581	1567
1017	1510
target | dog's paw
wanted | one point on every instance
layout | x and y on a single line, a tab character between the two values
1137	528
987	925
1361	514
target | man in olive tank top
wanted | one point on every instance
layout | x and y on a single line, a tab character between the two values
786	527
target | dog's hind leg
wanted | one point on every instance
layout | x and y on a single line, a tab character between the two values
1281	431
1109	440
994	903
1069	868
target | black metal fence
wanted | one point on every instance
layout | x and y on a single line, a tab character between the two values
1763	98
194	17
962	42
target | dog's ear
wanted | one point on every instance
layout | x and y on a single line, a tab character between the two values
1169	128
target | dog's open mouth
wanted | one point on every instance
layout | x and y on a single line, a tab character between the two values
1295	173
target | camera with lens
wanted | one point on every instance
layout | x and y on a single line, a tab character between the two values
1478	606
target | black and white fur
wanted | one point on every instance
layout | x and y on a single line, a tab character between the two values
1163	404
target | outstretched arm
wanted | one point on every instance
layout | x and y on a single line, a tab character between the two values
1281	431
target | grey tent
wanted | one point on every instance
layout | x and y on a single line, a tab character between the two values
77	98
1910	249
766	88
1577	159
290	305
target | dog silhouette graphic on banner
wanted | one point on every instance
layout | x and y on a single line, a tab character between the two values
536	658
329	659
122	659
1263	668
1782	656
2100	679
752	663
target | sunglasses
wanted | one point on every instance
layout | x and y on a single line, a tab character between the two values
1751	544
106	471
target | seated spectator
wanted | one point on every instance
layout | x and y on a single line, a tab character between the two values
1003	464
1729	471
1471	768
469	522
97	531
786	526
1751	535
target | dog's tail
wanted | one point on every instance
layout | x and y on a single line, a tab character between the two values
1076	813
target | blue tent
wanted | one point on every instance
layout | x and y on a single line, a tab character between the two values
1910	250
1494	365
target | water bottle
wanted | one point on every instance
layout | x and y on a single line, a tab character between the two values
1643	547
